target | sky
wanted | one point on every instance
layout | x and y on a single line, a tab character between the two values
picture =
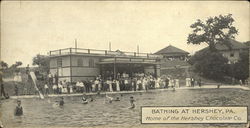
29	28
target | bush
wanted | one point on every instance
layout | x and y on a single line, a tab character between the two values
209	64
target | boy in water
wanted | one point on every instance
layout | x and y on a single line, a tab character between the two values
117	99
19	109
84	100
110	99
132	102
61	102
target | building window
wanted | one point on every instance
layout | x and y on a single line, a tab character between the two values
80	62
59	62
91	63
231	54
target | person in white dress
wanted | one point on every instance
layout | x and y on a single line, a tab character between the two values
96	84
55	89
60	87
117	85
81	85
138	84
46	88
109	82
144	83
157	85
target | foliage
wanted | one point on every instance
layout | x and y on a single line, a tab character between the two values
18	63
241	68
209	64
4	65
42	61
214	30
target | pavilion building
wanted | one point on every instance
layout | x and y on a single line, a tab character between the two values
173	53
75	64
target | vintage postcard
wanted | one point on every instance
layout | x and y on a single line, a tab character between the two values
82	64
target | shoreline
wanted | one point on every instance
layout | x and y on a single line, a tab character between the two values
141	91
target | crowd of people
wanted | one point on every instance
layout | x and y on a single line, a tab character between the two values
122	82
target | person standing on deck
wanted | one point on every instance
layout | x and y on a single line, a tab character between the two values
199	82
2	86
100	84
50	78
192	82
81	87
240	81
173	82
177	83
68	87
96	84
90	82
86	83
167	82
46	88
56	78
93	85
2	90
157	85
138	84
55	88
60	87
144	82
110	85
117	85
134	83
126	84
114	85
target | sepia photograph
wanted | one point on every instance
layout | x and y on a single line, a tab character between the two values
96	64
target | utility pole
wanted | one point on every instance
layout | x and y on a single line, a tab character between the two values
109	46
76	45
138	49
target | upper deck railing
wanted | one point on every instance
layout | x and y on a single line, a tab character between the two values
70	51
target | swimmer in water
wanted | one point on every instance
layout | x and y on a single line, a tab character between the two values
117	99
84	100
110	99
91	99
19	109
132	102
61	102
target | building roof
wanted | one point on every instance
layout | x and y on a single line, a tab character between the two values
171	50
233	44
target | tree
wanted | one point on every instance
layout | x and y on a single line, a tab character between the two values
214	30
4	65
241	68
18	63
211	65
42	61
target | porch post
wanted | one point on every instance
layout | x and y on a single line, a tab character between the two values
114	68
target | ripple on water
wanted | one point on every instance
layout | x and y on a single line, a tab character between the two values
75	114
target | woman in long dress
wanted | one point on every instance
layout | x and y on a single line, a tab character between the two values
117	85
110	85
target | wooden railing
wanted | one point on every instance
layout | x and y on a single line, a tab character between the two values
67	51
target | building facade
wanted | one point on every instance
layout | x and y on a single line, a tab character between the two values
173	53
75	64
